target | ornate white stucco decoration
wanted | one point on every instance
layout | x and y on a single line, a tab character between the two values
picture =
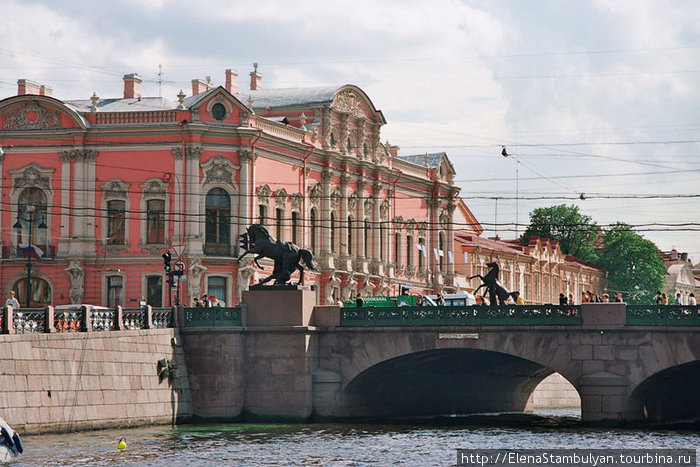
219	170
347	101
115	189
352	201
296	201
31	176
264	193
315	193
31	117
280	198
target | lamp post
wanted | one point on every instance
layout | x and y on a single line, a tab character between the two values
30	210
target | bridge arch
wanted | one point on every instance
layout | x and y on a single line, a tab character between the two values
453	381
669	395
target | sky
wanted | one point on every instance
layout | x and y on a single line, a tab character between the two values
597	102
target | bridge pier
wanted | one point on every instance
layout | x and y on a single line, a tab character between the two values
603	397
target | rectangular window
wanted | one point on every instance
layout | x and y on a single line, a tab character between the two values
295	228
262	214
217	286
421	254
116	229
397	248
115	285
278	223
409	251
156	221
154	291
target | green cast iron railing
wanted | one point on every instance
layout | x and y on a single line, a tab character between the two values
212	316
461	316
663	315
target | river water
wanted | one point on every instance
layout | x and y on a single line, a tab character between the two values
428	443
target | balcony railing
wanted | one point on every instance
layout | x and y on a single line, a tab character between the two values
663	315
461	316
14	251
39	320
214	316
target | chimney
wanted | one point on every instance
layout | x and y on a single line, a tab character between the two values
232	81
24	86
45	90
199	86
132	86
255	79
684	256
674	254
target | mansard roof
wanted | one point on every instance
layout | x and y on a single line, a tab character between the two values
429	160
119	104
289	98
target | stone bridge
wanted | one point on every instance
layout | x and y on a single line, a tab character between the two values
292	360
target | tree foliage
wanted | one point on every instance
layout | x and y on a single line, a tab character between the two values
575	232
633	264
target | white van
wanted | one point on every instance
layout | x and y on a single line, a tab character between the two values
460	298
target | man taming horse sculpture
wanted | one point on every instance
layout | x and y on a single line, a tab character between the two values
286	255
497	293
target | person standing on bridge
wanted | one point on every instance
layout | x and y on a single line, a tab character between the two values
359	302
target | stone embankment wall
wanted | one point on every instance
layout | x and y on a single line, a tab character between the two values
554	392
70	381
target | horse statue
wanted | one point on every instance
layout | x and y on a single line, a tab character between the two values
286	255
497	293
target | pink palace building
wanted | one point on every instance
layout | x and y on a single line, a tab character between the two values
102	187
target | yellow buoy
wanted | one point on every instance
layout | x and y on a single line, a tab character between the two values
121	444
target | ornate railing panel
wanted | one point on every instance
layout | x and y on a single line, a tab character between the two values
26	320
461	316
68	321
162	317
663	315
212	316
133	318
102	320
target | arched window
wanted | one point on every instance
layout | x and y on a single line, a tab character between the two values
313	229
155	225
349	239
116	228
333	233
35	198
41	292
218	224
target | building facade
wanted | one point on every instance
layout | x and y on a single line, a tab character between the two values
539	271
104	187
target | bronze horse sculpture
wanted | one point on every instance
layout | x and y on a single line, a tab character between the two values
497	293
286	255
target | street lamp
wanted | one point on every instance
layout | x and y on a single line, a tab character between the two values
504	153
30	210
